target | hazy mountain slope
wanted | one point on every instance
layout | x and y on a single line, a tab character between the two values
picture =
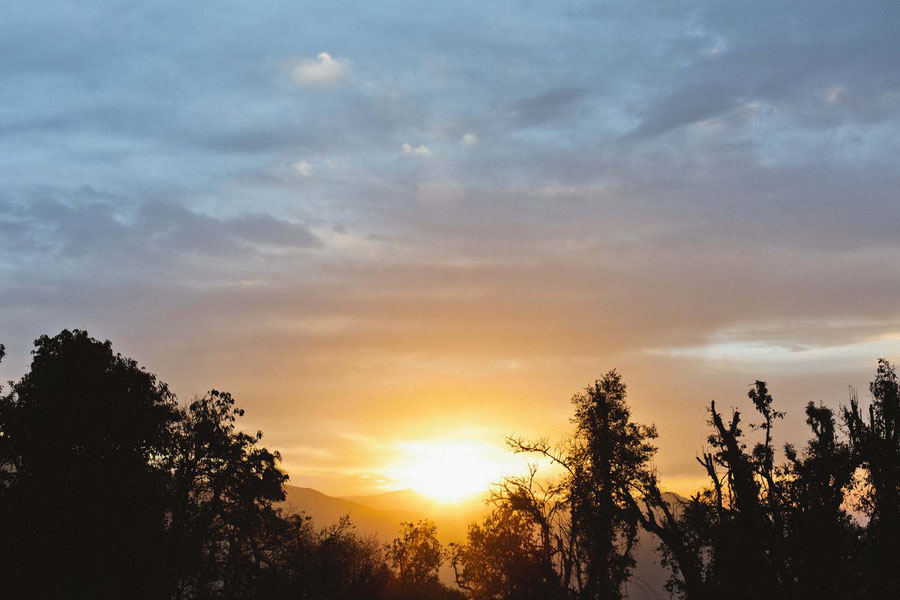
648	577
452	520
382	514
326	510
407	500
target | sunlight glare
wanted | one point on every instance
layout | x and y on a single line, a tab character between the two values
450	471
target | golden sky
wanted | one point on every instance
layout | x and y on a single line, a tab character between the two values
396	234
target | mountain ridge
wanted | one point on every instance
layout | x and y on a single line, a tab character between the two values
381	515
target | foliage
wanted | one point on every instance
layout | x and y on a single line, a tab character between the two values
416	555
874	439
586	522
761	530
504	558
109	488
84	505
223	488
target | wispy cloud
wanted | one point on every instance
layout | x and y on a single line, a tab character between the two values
302	168
324	70
415	150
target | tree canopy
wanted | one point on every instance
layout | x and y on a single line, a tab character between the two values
111	488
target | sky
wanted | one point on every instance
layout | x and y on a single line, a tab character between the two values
400	229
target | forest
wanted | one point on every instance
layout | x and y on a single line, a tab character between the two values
110	488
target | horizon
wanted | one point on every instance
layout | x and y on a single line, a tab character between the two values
450	472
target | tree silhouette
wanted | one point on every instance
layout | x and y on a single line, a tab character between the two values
727	541
109	489
416	555
605	462
761	530
503	558
225	487
822	538
335	562
84	503
875	442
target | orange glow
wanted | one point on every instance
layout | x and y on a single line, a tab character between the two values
450	471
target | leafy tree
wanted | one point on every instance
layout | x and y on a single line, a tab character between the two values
822	538
729	540
503	558
84	504
748	541
687	535
546	505
416	555
611	457
875	443
605	462
759	529
108	489
224	490
335	562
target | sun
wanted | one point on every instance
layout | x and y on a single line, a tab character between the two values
449	471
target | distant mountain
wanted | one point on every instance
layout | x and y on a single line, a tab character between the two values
327	510
408	500
382	514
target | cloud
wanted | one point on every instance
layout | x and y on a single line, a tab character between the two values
95	231
781	66
324	70
548	107
835	93
267	230
469	139
689	104
415	150
303	168
565	247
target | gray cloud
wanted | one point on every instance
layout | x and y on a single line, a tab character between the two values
76	228
649	180
792	57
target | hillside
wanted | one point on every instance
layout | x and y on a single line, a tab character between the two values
382	514
326	510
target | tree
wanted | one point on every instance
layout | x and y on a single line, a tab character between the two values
875	443
611	461
335	562
687	533
503	559
822	539
760	529
416	555
109	489
84	504
224	487
724	541
605	463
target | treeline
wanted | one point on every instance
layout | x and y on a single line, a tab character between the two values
761	529
111	489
